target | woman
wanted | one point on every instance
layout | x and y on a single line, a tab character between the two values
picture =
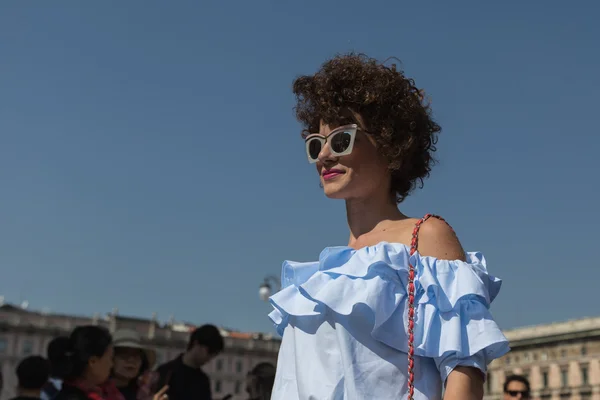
259	381
85	361
132	363
402	311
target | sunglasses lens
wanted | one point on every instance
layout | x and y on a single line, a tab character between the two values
515	393
314	146
340	142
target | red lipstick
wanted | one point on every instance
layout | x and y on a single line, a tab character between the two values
331	173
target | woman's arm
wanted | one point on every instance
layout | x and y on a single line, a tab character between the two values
464	383
437	239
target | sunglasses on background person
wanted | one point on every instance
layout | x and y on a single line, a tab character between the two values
515	393
341	142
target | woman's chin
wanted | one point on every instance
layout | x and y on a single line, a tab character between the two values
127	377
334	192
337	187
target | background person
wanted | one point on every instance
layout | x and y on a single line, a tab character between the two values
184	375
132	360
516	387
54	353
259	381
86	361
32	375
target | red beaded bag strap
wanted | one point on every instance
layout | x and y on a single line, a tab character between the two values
411	304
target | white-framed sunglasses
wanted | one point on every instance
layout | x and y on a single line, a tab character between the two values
341	142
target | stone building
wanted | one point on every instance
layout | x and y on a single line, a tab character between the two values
561	361
24	332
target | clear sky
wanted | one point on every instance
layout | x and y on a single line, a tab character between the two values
150	159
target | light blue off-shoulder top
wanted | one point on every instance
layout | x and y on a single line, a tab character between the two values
344	323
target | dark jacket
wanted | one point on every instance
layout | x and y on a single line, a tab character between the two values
185	383
25	398
50	390
70	393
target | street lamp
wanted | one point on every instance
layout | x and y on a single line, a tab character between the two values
266	288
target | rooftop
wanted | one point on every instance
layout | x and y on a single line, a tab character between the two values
581	325
176	326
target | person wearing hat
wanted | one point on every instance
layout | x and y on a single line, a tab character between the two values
132	363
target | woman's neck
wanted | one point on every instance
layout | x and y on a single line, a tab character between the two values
121	382
85	382
368	215
189	359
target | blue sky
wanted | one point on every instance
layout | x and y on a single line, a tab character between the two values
150	160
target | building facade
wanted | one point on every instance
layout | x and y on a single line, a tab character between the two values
561	361
24	332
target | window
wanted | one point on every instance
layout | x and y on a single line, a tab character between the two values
563	353
220	364
583	351
238	366
545	379
27	347
217	386
238	387
584	375
526	357
3	345
564	378
544	356
508	360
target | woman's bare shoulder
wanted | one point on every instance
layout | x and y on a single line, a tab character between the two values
436	238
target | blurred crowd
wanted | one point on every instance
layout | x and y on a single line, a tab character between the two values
92	364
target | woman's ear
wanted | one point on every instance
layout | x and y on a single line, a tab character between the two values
93	361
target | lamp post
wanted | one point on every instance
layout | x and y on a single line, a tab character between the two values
266	288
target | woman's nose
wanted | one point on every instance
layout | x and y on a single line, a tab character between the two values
325	155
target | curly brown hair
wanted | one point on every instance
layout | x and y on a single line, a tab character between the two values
390	105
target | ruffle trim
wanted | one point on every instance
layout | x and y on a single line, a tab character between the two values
369	285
